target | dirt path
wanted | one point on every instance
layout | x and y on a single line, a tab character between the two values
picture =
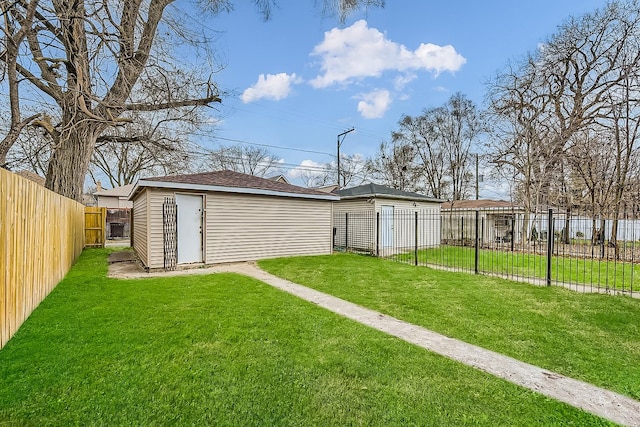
595	400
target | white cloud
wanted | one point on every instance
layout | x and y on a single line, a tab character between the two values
271	86
374	104
358	51
306	168
401	81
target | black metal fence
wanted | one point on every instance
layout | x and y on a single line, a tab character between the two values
549	248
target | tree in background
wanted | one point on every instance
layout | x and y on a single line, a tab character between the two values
256	161
353	170
98	62
146	147
394	166
581	86
432	151
521	143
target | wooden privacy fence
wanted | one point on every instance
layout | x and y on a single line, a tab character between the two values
41	235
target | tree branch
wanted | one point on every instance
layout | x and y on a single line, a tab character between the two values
173	104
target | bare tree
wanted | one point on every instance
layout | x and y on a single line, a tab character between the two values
523	133
458	126
93	59
153	143
353	170
579	89
31	151
442	138
394	166
256	161
17	23
125	159
430	154
592	161
96	61
591	68
318	176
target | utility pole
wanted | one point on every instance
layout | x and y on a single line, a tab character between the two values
343	135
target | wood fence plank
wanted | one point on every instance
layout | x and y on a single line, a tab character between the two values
41	236
4	260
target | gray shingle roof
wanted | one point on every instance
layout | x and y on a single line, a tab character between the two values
232	180
377	190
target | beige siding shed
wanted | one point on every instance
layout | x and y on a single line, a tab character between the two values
381	220
243	217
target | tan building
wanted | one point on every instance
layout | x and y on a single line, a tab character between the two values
226	216
381	220
499	221
115	198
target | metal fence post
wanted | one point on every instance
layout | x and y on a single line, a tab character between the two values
476	255
513	231
416	233
602	236
550	237
346	231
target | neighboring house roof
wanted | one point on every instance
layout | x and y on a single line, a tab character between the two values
377	190
122	191
327	188
480	204
31	176
493	205
231	182
279	178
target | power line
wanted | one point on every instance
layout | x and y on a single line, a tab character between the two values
273	146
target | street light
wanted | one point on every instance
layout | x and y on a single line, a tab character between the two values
343	135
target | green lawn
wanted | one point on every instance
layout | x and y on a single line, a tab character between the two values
592	337
228	350
591	272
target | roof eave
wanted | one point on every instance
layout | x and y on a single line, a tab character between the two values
222	189
391	196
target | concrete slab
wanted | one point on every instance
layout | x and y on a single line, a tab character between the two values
121	256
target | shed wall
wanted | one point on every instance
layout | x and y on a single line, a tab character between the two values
250	227
140	221
354	205
239	227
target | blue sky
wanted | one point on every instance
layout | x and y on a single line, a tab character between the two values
301	78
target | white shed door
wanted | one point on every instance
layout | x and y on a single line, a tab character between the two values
189	228
386	226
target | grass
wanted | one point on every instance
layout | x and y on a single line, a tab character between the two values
595	338
591	272
228	350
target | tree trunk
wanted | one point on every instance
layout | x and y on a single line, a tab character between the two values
70	160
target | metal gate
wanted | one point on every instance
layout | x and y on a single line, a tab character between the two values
170	232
